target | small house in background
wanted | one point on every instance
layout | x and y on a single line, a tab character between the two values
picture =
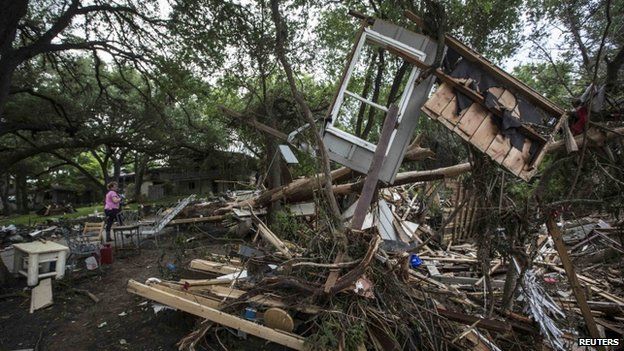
216	173
59	194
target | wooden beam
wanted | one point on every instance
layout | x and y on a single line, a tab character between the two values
372	178
287	339
579	294
213	267
270	237
489	324
202	300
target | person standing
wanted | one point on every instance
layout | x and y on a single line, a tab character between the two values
111	207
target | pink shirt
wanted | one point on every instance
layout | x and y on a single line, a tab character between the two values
109	204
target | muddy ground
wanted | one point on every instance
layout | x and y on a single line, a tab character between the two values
119	321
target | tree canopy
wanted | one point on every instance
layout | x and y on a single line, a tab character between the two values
93	87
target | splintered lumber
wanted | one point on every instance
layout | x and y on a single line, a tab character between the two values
203	282
494	70
269	301
41	295
579	294
485	323
200	299
269	236
187	305
213	267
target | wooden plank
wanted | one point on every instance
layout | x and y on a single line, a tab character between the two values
202	300
264	300
499	148
579	294
485	134
290	340
213	267
472	119
486	323
333	273
270	237
41	295
440	100
372	178
514	161
450	113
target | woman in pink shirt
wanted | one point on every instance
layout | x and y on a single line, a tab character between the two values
111	207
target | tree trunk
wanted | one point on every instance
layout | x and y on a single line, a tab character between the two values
274	177
139	171
21	193
5	186
280	33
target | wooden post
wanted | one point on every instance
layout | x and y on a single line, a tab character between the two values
370	184
579	294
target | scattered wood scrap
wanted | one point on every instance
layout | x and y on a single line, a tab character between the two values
41	295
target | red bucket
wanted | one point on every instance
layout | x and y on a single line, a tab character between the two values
106	254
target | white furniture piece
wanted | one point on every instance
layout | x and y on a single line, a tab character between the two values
31	255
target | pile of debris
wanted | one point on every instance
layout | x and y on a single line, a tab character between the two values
394	286
389	274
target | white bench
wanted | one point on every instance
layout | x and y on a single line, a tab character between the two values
31	255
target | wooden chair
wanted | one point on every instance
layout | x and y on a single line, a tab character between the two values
93	231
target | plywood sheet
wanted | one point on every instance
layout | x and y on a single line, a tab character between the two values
485	134
41	295
443	95
472	119
514	162
499	148
450	112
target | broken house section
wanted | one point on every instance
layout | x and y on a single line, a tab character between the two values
353	151
485	106
493	111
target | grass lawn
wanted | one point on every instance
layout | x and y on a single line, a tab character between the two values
32	219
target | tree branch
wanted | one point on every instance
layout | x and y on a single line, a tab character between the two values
280	33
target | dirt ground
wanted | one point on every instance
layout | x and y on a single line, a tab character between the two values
119	321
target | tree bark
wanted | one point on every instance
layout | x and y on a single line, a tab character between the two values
139	172
21	193
12	12
5	186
